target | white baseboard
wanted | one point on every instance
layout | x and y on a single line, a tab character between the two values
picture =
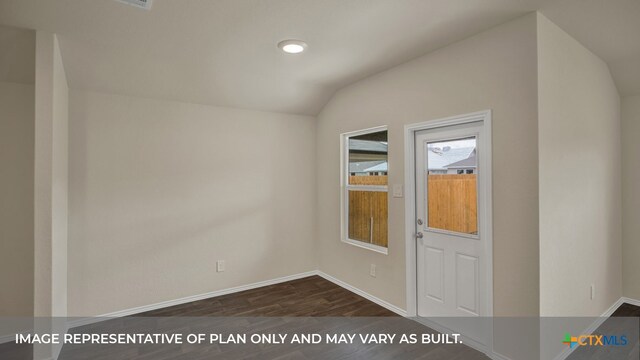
56	348
76	322
602	318
127	312
631	301
12	337
596	324
364	294
497	356
7	338
465	340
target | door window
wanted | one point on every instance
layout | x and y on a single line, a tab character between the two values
452	186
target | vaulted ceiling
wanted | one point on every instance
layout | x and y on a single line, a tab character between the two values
610	29
224	52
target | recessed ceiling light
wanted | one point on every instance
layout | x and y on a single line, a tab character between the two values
292	46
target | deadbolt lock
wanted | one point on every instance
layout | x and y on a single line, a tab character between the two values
419	221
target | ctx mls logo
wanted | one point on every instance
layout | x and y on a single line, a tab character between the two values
594	340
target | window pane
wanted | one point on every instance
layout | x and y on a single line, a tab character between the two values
368	216
452	200
368	159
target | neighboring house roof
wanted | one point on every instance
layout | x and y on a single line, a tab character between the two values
378	168
364	166
440	159
469	162
367	146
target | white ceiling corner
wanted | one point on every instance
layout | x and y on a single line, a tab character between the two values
224	52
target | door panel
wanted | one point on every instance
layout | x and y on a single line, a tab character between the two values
451	268
434	279
467	283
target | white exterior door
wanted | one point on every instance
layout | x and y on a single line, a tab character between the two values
451	243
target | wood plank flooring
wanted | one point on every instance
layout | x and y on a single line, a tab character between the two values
627	310
293	306
310	296
615	325
18	352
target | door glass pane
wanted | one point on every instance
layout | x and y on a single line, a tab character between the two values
368	159
452	200
368	216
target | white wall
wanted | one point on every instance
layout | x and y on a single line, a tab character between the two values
492	70
496	70
60	183
18	48
50	190
16	192
17	119
580	196
51	183
631	196
42	174
161	190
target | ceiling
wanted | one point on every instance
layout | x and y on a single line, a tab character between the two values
610	29
224	52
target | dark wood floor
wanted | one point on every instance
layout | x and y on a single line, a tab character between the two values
627	310
294	306
620	322
310	296
12	351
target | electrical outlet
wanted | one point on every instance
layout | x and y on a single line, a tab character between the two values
372	271
593	291
220	265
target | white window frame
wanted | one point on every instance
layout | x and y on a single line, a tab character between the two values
345	188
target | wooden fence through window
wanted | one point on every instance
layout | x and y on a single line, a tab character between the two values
452	201
368	211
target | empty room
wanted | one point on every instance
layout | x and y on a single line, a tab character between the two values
305	179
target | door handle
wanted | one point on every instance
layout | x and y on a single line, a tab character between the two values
419	235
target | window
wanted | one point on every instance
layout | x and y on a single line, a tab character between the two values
364	191
452	199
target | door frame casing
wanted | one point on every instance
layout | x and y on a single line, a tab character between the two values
485	222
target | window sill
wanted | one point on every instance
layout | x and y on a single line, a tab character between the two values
364	245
